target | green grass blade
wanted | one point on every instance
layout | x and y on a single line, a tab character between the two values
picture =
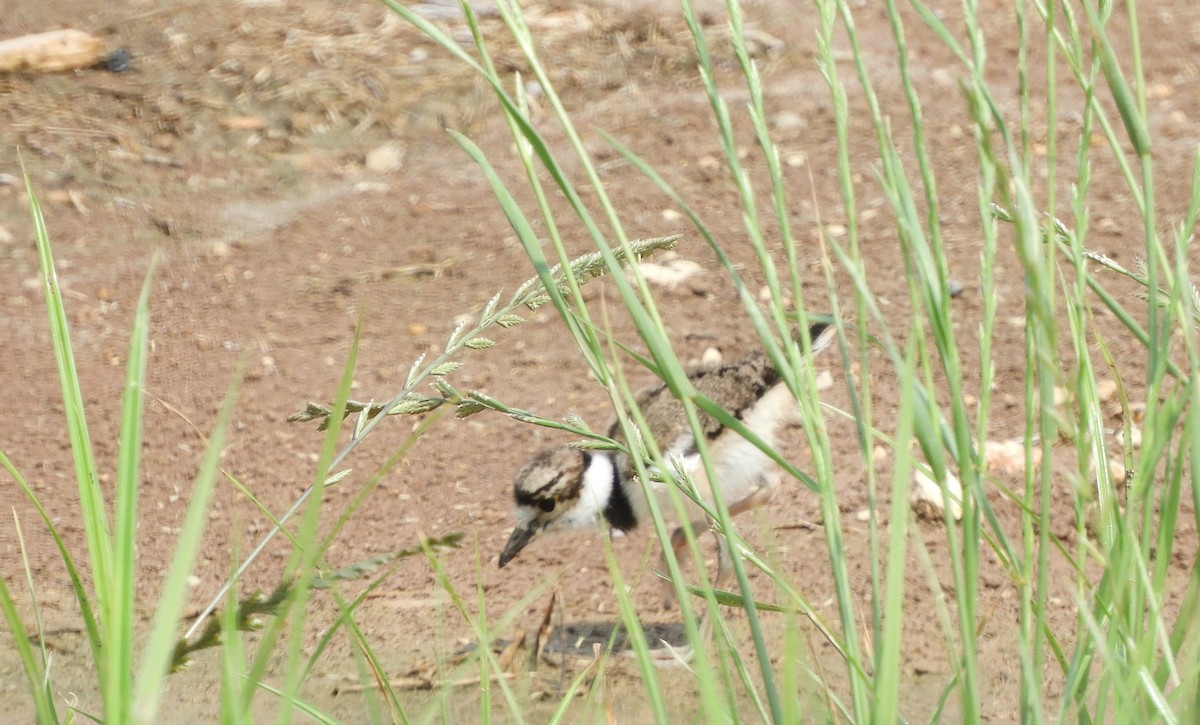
302	567
123	585
90	622
37	673
168	613
91	498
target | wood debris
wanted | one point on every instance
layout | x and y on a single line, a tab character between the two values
53	51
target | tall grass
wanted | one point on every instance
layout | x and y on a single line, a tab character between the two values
1126	659
130	683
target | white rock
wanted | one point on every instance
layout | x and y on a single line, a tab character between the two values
1008	456
824	380
1106	390
385	158
711	358
926	496
672	274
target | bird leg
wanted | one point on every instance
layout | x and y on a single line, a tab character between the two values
758	497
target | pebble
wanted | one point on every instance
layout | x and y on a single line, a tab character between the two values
1009	456
1106	390
926	496
786	121
384	159
956	288
672	274
118	61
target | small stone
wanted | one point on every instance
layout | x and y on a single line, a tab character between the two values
863	515
672	274
956	288
671	215
163	141
943	77
1135	436
1160	90
824	380
384	159
708	163
1009	456
417	328
786	121
371	187
118	61
220	250
1106	390
711	358
926	496
795	161
879	454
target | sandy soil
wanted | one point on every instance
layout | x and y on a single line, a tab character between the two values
237	150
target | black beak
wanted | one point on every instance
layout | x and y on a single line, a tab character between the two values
519	539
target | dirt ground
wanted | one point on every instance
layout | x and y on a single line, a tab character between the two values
287	161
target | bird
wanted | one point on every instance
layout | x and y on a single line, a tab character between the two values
570	488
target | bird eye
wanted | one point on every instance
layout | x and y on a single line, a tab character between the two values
546	504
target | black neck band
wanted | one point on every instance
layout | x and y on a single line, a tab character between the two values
619	511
